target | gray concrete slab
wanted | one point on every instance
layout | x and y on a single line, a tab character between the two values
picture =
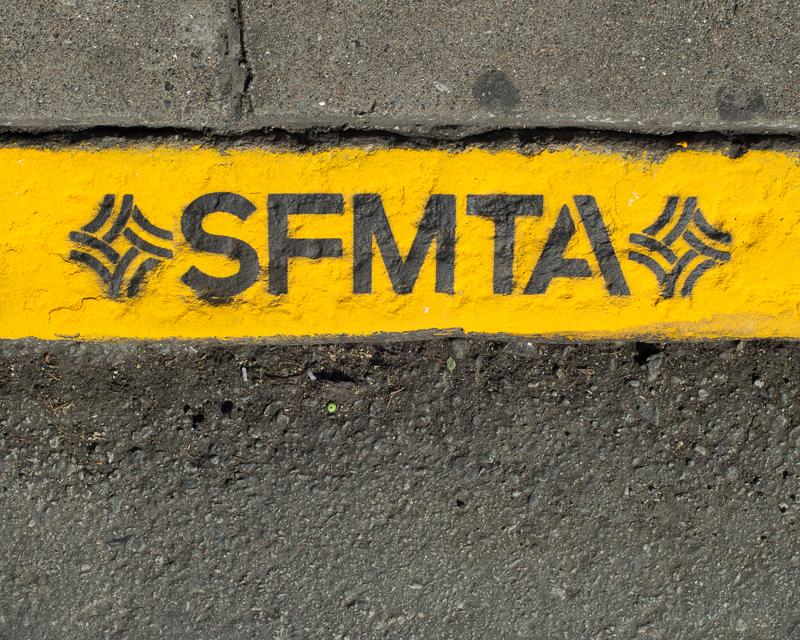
105	62
573	491
646	66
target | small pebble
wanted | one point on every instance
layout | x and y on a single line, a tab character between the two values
460	348
654	363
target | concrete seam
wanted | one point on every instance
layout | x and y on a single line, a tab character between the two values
239	93
326	137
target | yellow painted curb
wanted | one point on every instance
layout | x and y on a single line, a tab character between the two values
180	242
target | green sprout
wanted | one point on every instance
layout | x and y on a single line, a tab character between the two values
331	407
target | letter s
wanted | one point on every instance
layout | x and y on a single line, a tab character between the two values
210	287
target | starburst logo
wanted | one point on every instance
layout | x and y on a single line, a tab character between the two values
679	248
126	251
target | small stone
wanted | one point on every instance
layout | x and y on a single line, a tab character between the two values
271	410
282	420
702	394
654	363
758	383
460	348
522	348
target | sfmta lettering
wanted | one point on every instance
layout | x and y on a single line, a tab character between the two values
371	228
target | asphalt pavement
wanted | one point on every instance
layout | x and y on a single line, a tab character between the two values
368	491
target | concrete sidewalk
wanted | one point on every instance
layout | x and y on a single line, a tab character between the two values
216	65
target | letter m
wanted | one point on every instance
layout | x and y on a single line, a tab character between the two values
370	221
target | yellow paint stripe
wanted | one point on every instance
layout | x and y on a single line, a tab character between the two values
692	245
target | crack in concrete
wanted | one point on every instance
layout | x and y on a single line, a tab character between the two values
241	68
